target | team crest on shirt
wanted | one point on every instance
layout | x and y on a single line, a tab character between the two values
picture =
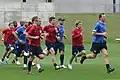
40	31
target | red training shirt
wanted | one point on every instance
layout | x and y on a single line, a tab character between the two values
77	37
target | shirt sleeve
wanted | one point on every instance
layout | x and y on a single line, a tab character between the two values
4	31
19	30
30	31
96	28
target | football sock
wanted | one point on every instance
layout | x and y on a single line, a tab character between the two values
29	66
55	64
61	59
107	66
25	59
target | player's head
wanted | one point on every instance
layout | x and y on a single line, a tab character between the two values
78	23
11	25
102	17
22	23
15	23
61	21
30	23
26	23
38	22
52	20
35	20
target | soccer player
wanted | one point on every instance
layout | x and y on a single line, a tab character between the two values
21	43
35	33
8	39
99	42
59	44
77	42
51	32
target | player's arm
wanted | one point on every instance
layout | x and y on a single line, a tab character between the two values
16	34
2	36
74	35
29	34
95	31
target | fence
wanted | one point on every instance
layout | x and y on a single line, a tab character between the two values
21	11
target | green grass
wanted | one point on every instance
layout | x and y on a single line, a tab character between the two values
90	70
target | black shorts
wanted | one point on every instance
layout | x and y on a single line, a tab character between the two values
77	49
35	50
49	45
97	47
19	48
7	46
59	46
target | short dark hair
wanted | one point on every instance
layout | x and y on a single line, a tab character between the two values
51	18
30	23
100	15
22	23
10	23
34	17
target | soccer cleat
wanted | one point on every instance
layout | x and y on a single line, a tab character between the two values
63	66
1	61
13	61
17	62
82	59
110	70
29	73
25	66
6	59
57	67
40	70
69	66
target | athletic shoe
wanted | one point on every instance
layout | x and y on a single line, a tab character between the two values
69	66
63	66
110	70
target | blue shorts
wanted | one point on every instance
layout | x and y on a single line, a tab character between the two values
97	47
59	46
19	48
49	45
36	50
28	47
77	49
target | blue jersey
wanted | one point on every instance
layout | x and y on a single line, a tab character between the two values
61	32
20	33
100	27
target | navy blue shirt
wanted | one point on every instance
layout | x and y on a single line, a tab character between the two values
100	27
21	35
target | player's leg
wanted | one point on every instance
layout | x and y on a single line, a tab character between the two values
40	56
50	48
82	51
18	51
11	49
31	58
95	50
74	52
105	54
26	54
6	51
61	51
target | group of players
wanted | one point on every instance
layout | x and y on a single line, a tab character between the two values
25	40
